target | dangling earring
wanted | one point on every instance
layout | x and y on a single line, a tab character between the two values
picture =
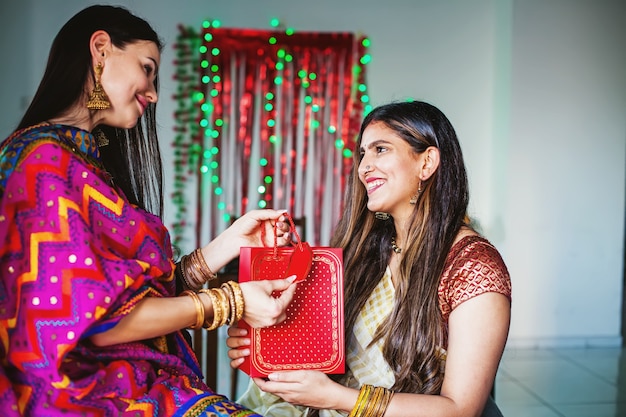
98	99
413	199
381	215
101	139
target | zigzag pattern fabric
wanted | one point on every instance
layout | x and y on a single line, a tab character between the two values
75	258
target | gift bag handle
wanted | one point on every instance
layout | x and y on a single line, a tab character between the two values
298	241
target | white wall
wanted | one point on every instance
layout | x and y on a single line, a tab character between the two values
536	90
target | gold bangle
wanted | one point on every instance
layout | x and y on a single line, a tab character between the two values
362	400
379	402
228	290
204	267
199	308
186	283
385	402
224	305
216	311
196	269
188	272
371	404
221	311
239	302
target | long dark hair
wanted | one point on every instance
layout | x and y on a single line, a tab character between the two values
133	157
413	331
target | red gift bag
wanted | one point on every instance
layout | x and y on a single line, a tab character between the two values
312	336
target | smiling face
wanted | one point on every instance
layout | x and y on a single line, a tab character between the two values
128	78
390	171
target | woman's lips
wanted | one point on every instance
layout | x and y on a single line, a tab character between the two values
373	184
143	103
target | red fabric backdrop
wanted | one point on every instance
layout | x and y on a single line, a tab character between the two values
265	119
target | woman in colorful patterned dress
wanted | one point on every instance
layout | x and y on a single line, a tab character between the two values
93	309
427	298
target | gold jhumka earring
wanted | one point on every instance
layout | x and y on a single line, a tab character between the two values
413	199
98	99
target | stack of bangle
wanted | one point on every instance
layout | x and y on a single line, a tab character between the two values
228	305
195	271
372	402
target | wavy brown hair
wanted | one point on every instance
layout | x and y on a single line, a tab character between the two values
413	332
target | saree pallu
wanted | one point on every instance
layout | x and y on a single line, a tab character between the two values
75	258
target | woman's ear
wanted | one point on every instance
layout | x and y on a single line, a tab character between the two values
430	162
99	46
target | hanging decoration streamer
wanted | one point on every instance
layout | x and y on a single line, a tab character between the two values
265	118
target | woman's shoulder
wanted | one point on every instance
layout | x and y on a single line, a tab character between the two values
474	266
471	245
44	141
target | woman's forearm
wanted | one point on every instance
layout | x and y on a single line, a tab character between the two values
154	317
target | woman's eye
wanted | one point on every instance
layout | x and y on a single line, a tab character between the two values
148	69
380	149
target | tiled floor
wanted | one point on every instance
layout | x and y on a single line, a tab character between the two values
562	383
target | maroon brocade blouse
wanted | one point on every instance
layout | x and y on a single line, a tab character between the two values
473	267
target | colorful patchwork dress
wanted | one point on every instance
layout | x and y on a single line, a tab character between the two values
75	258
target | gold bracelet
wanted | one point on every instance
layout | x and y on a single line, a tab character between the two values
186	283
228	290
188	272
196	269
199	308
239	302
371	405
362	400
221	311
224	305
378	405
216	312
385	402
204	267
